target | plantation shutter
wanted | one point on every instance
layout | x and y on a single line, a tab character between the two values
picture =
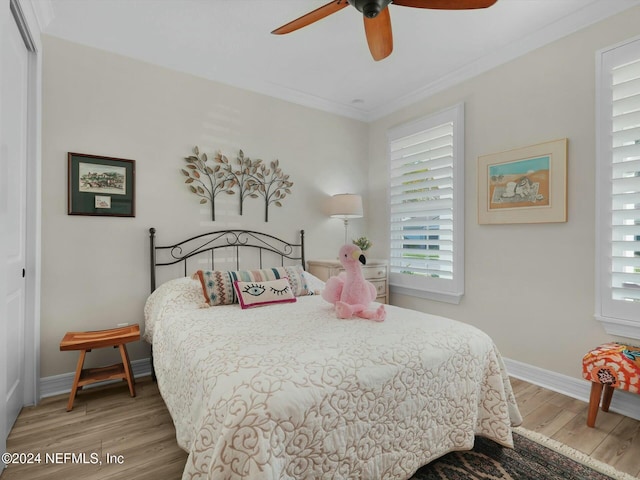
425	207
619	188
625	183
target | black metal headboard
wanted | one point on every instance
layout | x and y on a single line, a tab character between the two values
236	240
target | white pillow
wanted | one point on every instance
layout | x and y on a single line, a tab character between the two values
314	284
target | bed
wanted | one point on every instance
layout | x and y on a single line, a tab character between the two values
288	391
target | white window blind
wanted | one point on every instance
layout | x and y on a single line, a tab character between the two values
426	199
618	194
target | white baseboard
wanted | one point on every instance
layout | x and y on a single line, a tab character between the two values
623	402
57	384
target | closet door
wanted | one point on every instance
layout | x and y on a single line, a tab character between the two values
14	78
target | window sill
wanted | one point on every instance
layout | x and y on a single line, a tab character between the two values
619	327
445	297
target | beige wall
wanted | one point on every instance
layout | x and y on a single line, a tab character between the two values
531	287
95	270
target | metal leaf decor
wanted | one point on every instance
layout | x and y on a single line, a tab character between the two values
207	182
251	178
243	174
274	186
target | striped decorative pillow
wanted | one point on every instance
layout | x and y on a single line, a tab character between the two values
217	285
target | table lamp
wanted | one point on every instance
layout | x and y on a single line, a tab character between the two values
346	206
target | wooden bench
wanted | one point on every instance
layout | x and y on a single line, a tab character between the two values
86	341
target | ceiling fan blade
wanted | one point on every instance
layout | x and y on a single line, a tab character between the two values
445	4
311	17
379	37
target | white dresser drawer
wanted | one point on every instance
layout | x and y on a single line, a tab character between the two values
381	287
372	272
375	271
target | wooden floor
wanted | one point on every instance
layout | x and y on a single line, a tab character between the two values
614	440
137	435
104	421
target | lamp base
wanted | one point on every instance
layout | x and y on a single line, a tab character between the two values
346	230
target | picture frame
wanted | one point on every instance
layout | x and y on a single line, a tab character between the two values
100	186
524	185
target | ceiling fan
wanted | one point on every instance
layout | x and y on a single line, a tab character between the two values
377	21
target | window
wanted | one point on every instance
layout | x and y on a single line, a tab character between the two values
426	183
618	189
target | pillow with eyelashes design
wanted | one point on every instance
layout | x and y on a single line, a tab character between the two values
258	294
217	285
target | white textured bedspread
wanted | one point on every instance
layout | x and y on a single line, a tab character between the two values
291	392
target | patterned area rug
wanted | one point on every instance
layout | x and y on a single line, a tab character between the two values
529	460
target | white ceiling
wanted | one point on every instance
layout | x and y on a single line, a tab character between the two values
326	65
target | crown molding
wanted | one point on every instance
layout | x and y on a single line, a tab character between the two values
42	12
589	15
299	98
592	13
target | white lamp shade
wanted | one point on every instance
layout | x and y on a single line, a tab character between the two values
346	205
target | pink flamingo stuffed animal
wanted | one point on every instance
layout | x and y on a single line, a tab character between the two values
349	291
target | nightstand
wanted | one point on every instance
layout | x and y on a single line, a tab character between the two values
376	271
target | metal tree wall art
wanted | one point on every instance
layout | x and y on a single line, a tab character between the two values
274	186
251	178
243	174
207	182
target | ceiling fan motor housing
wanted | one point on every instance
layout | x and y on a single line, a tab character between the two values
370	8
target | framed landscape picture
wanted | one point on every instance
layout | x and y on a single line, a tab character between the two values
101	186
526	185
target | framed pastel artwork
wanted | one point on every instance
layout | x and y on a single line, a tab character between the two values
100	186
525	185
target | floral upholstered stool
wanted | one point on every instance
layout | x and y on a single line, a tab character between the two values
611	365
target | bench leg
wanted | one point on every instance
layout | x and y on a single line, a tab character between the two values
76	379
127	368
606	397
594	403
